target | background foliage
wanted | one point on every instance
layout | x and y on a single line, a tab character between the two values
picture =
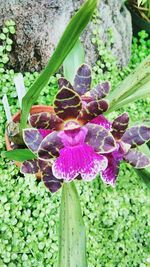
116	219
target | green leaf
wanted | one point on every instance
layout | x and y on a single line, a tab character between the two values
143	92
66	43
5	58
8	48
144	173
2	36
5	30
12	29
19	155
135	86
9	41
73	61
142	2
10	22
72	240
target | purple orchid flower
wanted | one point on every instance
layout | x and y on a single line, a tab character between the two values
127	140
67	145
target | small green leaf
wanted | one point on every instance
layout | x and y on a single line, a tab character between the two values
10	23
9	41
1	48
12	29
66	43
19	155
8	48
5	59
2	36
2	70
5	30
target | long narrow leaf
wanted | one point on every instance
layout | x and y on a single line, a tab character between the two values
136	84
19	155
144	173
72	241
143	92
66	43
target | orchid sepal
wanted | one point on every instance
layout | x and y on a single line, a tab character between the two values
137	159
92	110
62	82
137	135
45	120
100	139
32	138
100	91
49	147
119	125
82	81
67	104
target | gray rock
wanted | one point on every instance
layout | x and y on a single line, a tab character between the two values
40	23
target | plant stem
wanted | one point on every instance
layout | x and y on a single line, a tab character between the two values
72	238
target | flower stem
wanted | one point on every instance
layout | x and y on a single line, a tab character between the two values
72	239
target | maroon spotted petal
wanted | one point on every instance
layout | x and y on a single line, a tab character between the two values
100	139
82	81
137	159
45	120
136	135
62	82
92	110
32	139
50	147
48	178
51	182
67	104
119	125
100	91
30	166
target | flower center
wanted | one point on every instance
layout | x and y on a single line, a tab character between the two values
73	135
71	125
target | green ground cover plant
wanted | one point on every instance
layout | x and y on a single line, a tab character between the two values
29	218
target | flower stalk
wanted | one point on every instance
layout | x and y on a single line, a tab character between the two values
72	237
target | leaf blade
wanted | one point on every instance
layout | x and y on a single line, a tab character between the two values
19	155
69	38
72	239
133	87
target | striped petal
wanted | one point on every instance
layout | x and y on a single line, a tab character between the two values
67	104
119	125
137	159
32	139
51	183
100	91
50	146
137	135
45	120
100	139
62	82
30	166
82	81
92	110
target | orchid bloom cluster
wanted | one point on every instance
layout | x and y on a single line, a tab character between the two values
76	141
